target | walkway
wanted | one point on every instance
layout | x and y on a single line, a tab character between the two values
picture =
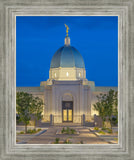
86	136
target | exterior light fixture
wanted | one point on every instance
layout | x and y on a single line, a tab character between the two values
67	74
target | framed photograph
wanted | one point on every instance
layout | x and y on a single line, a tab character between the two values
67	108
67	82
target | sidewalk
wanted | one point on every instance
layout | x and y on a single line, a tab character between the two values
109	138
85	136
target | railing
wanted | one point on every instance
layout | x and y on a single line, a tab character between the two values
81	119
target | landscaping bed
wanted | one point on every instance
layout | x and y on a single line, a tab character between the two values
30	131
66	141
108	135
104	131
67	130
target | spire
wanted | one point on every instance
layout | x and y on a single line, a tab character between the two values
67	39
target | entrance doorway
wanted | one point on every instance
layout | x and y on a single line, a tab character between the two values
67	111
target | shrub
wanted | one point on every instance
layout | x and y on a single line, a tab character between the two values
30	131
39	129
109	130
116	139
67	130
72	131
103	128
67	141
96	128
101	132
57	140
22	132
63	130
81	142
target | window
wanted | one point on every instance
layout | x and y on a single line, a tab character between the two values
55	74
79	74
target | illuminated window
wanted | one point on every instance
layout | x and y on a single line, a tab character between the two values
79	74
67	74
55	74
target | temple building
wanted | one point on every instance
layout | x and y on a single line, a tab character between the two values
67	94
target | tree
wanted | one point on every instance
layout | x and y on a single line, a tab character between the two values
23	105
36	109
115	110
100	107
107	106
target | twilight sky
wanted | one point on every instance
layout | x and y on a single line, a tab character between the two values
38	38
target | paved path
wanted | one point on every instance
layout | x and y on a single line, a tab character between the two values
50	135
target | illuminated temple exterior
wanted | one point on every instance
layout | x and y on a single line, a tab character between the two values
67	94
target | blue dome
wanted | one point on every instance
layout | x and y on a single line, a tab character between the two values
67	57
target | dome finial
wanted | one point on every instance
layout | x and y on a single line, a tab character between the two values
67	39
67	28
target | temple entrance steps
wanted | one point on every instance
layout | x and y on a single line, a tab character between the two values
67	124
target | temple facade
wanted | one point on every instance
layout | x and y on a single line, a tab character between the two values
67	94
